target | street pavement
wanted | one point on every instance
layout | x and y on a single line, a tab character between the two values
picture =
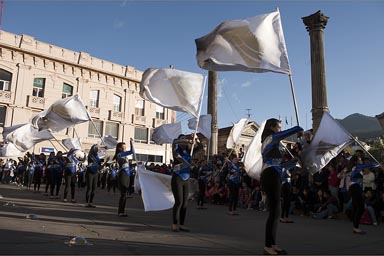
53	223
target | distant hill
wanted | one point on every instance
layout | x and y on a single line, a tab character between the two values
364	127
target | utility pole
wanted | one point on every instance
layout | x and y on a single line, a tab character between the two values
1	12
212	109
248	114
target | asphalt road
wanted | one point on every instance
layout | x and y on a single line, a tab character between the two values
213	231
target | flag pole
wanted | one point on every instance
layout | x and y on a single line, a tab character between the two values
59	143
294	99
362	147
198	116
94	125
53	145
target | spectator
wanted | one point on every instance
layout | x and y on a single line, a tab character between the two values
368	180
244	195
328	208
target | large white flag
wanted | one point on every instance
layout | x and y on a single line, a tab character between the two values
70	143
174	89
156	190
8	130
109	141
26	136
166	133
62	114
330	139
254	45
204	128
235	133
253	160
10	150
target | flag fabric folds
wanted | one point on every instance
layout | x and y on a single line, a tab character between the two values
26	136
10	150
235	133
70	143
255	44
204	128
62	114
253	160
166	133
174	89
330	139
156	190
110	142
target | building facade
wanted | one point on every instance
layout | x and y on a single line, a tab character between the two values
35	74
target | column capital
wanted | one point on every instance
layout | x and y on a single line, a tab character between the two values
316	21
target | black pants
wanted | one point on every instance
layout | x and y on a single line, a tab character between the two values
123	181
271	185
180	190
80	180
233	195
48	179
112	183
57	178
356	193
91	181
70	181
286	196
202	188
37	179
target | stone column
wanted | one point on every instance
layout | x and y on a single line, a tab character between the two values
315	25
212	109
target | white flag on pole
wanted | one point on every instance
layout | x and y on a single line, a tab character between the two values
26	136
235	133
255	44
109	141
10	150
8	130
62	114
204	128
70	143
253	160
156	190
330	139
166	133
174	89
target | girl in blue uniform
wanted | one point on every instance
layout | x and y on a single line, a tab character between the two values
94	165
272	153
124	174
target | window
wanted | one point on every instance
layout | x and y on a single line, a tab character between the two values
159	112
112	129
141	135
149	158
139	108
5	80
92	132
67	91
3	111
94	98
38	87
116	103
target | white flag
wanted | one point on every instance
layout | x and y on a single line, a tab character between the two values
10	150
62	114
254	45
26	136
235	133
204	128
174	89
253	160
109	141
330	139
166	133
8	130
70	143
156	190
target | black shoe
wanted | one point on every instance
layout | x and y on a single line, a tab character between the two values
281	252
122	215
184	229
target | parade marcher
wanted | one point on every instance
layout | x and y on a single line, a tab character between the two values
124	174
58	171
94	165
356	193
30	171
112	177
39	169
205	171
286	194
271	177
71	163
81	175
233	181
49	172
179	182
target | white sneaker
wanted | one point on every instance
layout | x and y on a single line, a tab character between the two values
65	200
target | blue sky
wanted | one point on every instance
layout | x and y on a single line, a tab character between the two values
146	34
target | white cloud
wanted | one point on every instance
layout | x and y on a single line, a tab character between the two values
124	3
220	84
236	97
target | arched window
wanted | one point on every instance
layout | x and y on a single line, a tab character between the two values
5	80
67	91
38	87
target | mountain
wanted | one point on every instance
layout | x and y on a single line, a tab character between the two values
364	127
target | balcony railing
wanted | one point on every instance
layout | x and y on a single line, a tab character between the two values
36	102
5	96
141	120
116	116
93	111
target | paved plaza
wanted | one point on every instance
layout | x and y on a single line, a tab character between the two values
213	231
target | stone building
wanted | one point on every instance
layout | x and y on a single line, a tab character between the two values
34	74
